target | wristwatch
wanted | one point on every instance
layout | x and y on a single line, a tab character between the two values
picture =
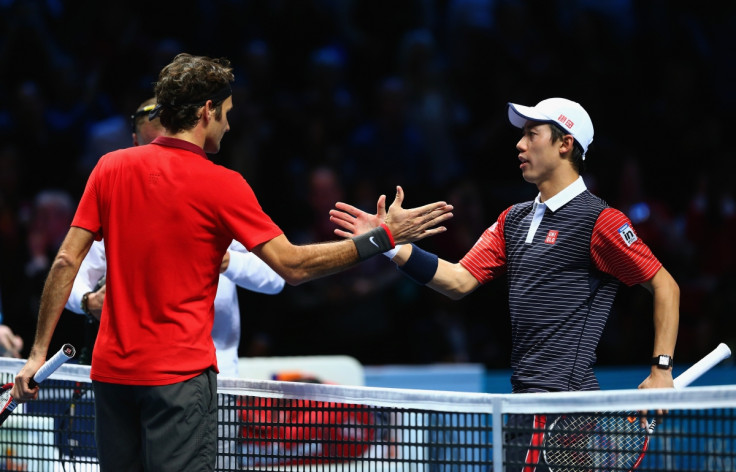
83	305
85	308
662	361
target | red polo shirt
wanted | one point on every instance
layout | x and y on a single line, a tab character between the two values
167	215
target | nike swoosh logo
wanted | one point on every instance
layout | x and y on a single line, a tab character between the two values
372	240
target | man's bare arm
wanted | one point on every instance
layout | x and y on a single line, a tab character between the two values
299	264
666	295
451	280
55	293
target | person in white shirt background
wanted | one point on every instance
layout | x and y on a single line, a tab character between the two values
10	343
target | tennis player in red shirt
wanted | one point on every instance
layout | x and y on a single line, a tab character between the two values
154	365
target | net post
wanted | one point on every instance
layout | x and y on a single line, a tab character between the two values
497	418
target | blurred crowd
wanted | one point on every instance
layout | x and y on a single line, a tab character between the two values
342	100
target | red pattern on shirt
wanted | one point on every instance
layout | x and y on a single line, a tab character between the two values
486	260
633	264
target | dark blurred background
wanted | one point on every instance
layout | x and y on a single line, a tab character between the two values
345	99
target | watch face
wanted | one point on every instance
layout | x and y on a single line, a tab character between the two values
664	361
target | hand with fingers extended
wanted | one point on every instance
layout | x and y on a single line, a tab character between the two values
355	221
406	224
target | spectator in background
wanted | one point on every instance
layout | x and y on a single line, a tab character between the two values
388	147
12	242
346	313
708	294
430	107
46	222
49	221
11	344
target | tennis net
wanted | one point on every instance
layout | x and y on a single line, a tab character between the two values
294	426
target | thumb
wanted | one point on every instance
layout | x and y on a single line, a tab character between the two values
381	207
399	196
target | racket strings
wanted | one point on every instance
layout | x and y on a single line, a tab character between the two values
600	443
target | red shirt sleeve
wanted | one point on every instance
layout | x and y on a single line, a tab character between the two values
486	260
87	215
617	250
242	214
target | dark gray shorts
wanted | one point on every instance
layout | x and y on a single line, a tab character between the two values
157	428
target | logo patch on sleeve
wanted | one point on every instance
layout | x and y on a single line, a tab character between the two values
551	236
627	234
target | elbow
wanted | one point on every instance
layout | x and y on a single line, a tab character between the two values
455	282
675	290
668	285
295	277
64	260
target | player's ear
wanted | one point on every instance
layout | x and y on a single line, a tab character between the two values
207	110
566	144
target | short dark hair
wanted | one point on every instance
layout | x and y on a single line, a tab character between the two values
576	159
186	84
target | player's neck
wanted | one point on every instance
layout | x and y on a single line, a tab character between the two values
556	184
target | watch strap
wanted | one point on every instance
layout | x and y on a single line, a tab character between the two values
662	361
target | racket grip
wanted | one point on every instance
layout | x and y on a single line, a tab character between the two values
66	352
703	365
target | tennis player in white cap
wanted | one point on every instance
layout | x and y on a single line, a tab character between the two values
565	254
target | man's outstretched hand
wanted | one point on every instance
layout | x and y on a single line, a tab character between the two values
406	224
355	221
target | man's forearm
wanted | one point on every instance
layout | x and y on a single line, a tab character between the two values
666	295
320	260
55	293
451	280
58	286
299	264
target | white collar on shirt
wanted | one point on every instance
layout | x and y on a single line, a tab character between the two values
554	204
567	194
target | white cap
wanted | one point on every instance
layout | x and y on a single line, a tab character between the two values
566	114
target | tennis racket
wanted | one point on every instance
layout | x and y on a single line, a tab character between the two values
8	403
617	441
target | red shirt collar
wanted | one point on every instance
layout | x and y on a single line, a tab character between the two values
179	143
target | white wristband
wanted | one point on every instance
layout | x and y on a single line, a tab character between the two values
391	253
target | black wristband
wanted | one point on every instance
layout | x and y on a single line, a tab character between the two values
421	265
375	241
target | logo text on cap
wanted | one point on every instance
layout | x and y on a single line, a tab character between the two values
566	121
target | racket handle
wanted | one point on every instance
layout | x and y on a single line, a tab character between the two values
703	365
66	352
